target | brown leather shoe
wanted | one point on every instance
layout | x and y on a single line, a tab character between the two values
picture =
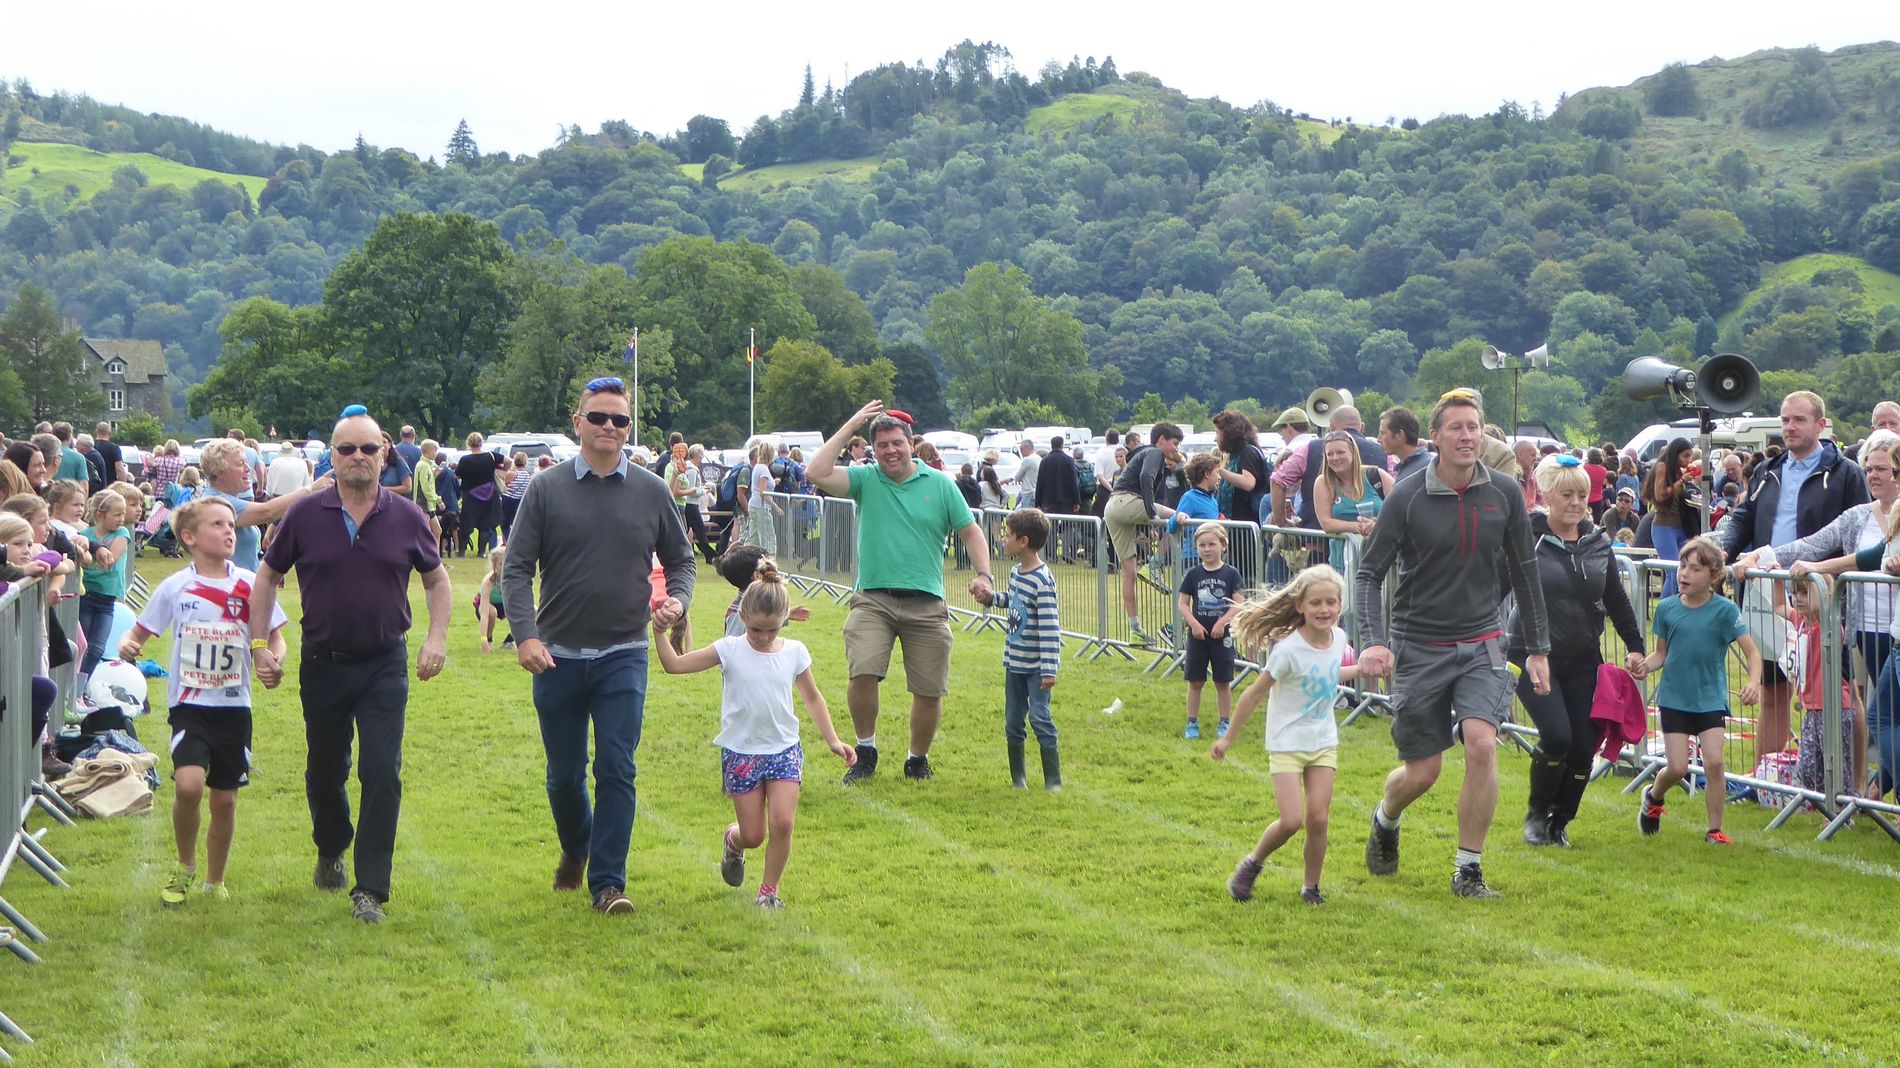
612	902
569	873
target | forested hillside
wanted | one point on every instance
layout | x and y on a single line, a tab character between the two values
1015	248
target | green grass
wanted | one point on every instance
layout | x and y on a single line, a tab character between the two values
1326	132
786	175
59	165
1879	287
695	171
1079	109
953	922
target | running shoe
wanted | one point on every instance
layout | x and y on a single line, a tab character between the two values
177	885
732	864
1221	730
1193	731
365	907
217	892
1649	815
1240	887
1382	849
917	767
1718	838
864	768
768	901
1468	881
1139	633
1312	896
612	902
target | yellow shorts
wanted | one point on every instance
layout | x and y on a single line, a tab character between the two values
1296	762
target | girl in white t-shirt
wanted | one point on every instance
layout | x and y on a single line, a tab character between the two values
760	757
1309	659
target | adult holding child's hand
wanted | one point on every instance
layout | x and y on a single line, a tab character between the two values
905	510
589	527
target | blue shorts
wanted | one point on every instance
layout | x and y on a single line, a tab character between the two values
743	772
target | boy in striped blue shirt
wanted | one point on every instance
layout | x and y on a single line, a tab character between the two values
1032	648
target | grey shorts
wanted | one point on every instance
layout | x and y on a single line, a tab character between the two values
1435	687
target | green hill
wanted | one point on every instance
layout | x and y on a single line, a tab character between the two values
48	170
1803	155
1879	288
1079	109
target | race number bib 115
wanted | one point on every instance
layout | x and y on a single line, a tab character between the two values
211	655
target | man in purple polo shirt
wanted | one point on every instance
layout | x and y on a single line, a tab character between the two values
353	547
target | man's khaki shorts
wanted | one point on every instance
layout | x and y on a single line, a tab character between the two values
878	621
1126	518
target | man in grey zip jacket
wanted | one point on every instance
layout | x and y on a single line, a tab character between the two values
1449	531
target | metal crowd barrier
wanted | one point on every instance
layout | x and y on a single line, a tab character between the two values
1077	556
814	539
22	637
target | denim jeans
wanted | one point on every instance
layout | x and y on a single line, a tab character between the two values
609	692
1023	696
95	619
1668	542
366	700
1883	721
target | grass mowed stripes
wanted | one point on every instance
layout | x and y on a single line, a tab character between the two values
949	922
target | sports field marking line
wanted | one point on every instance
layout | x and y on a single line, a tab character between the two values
1533	951
479	953
126	1000
1163	946
899	999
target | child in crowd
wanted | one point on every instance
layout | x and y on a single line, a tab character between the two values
740	566
1301	677
1199	502
1032	645
1209	593
1802	663
23	555
760	757
489	606
208	607
1693	630
107	576
1625	537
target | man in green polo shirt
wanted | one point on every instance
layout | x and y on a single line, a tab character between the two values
905	511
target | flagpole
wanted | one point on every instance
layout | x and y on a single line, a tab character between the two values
752	382
636	385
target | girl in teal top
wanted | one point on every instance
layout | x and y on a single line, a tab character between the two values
106	577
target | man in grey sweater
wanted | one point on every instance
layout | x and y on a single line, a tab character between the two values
1450	531
590	526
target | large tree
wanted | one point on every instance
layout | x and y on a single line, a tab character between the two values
805	387
55	375
424	306
1002	343
572	316
845	325
276	365
709	294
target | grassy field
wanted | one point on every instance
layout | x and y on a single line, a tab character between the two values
48	168
785	175
1078	109
1880	288
950	922
1325	131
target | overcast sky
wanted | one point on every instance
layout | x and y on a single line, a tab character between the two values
403	74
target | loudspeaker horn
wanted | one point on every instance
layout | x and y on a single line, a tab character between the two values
1492	359
1647	377
1322	402
1539	356
1728	383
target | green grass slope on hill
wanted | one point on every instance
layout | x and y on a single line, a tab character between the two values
47	169
785	175
1325	131
1879	288
1078	109
1803	156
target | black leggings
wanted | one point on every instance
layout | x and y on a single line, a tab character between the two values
1565	733
696	523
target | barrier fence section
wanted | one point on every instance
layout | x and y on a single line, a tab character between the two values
814	539
1076	556
22	636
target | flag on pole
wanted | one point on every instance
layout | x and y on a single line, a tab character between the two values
632	352
751	351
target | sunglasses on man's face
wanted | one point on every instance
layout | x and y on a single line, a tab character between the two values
620	422
351	450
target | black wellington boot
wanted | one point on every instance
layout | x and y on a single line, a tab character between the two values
1017	776
1544	781
1564	809
1051	769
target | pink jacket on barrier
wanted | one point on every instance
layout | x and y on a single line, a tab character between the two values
1619	712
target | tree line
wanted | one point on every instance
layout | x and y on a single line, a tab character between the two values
1191	249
